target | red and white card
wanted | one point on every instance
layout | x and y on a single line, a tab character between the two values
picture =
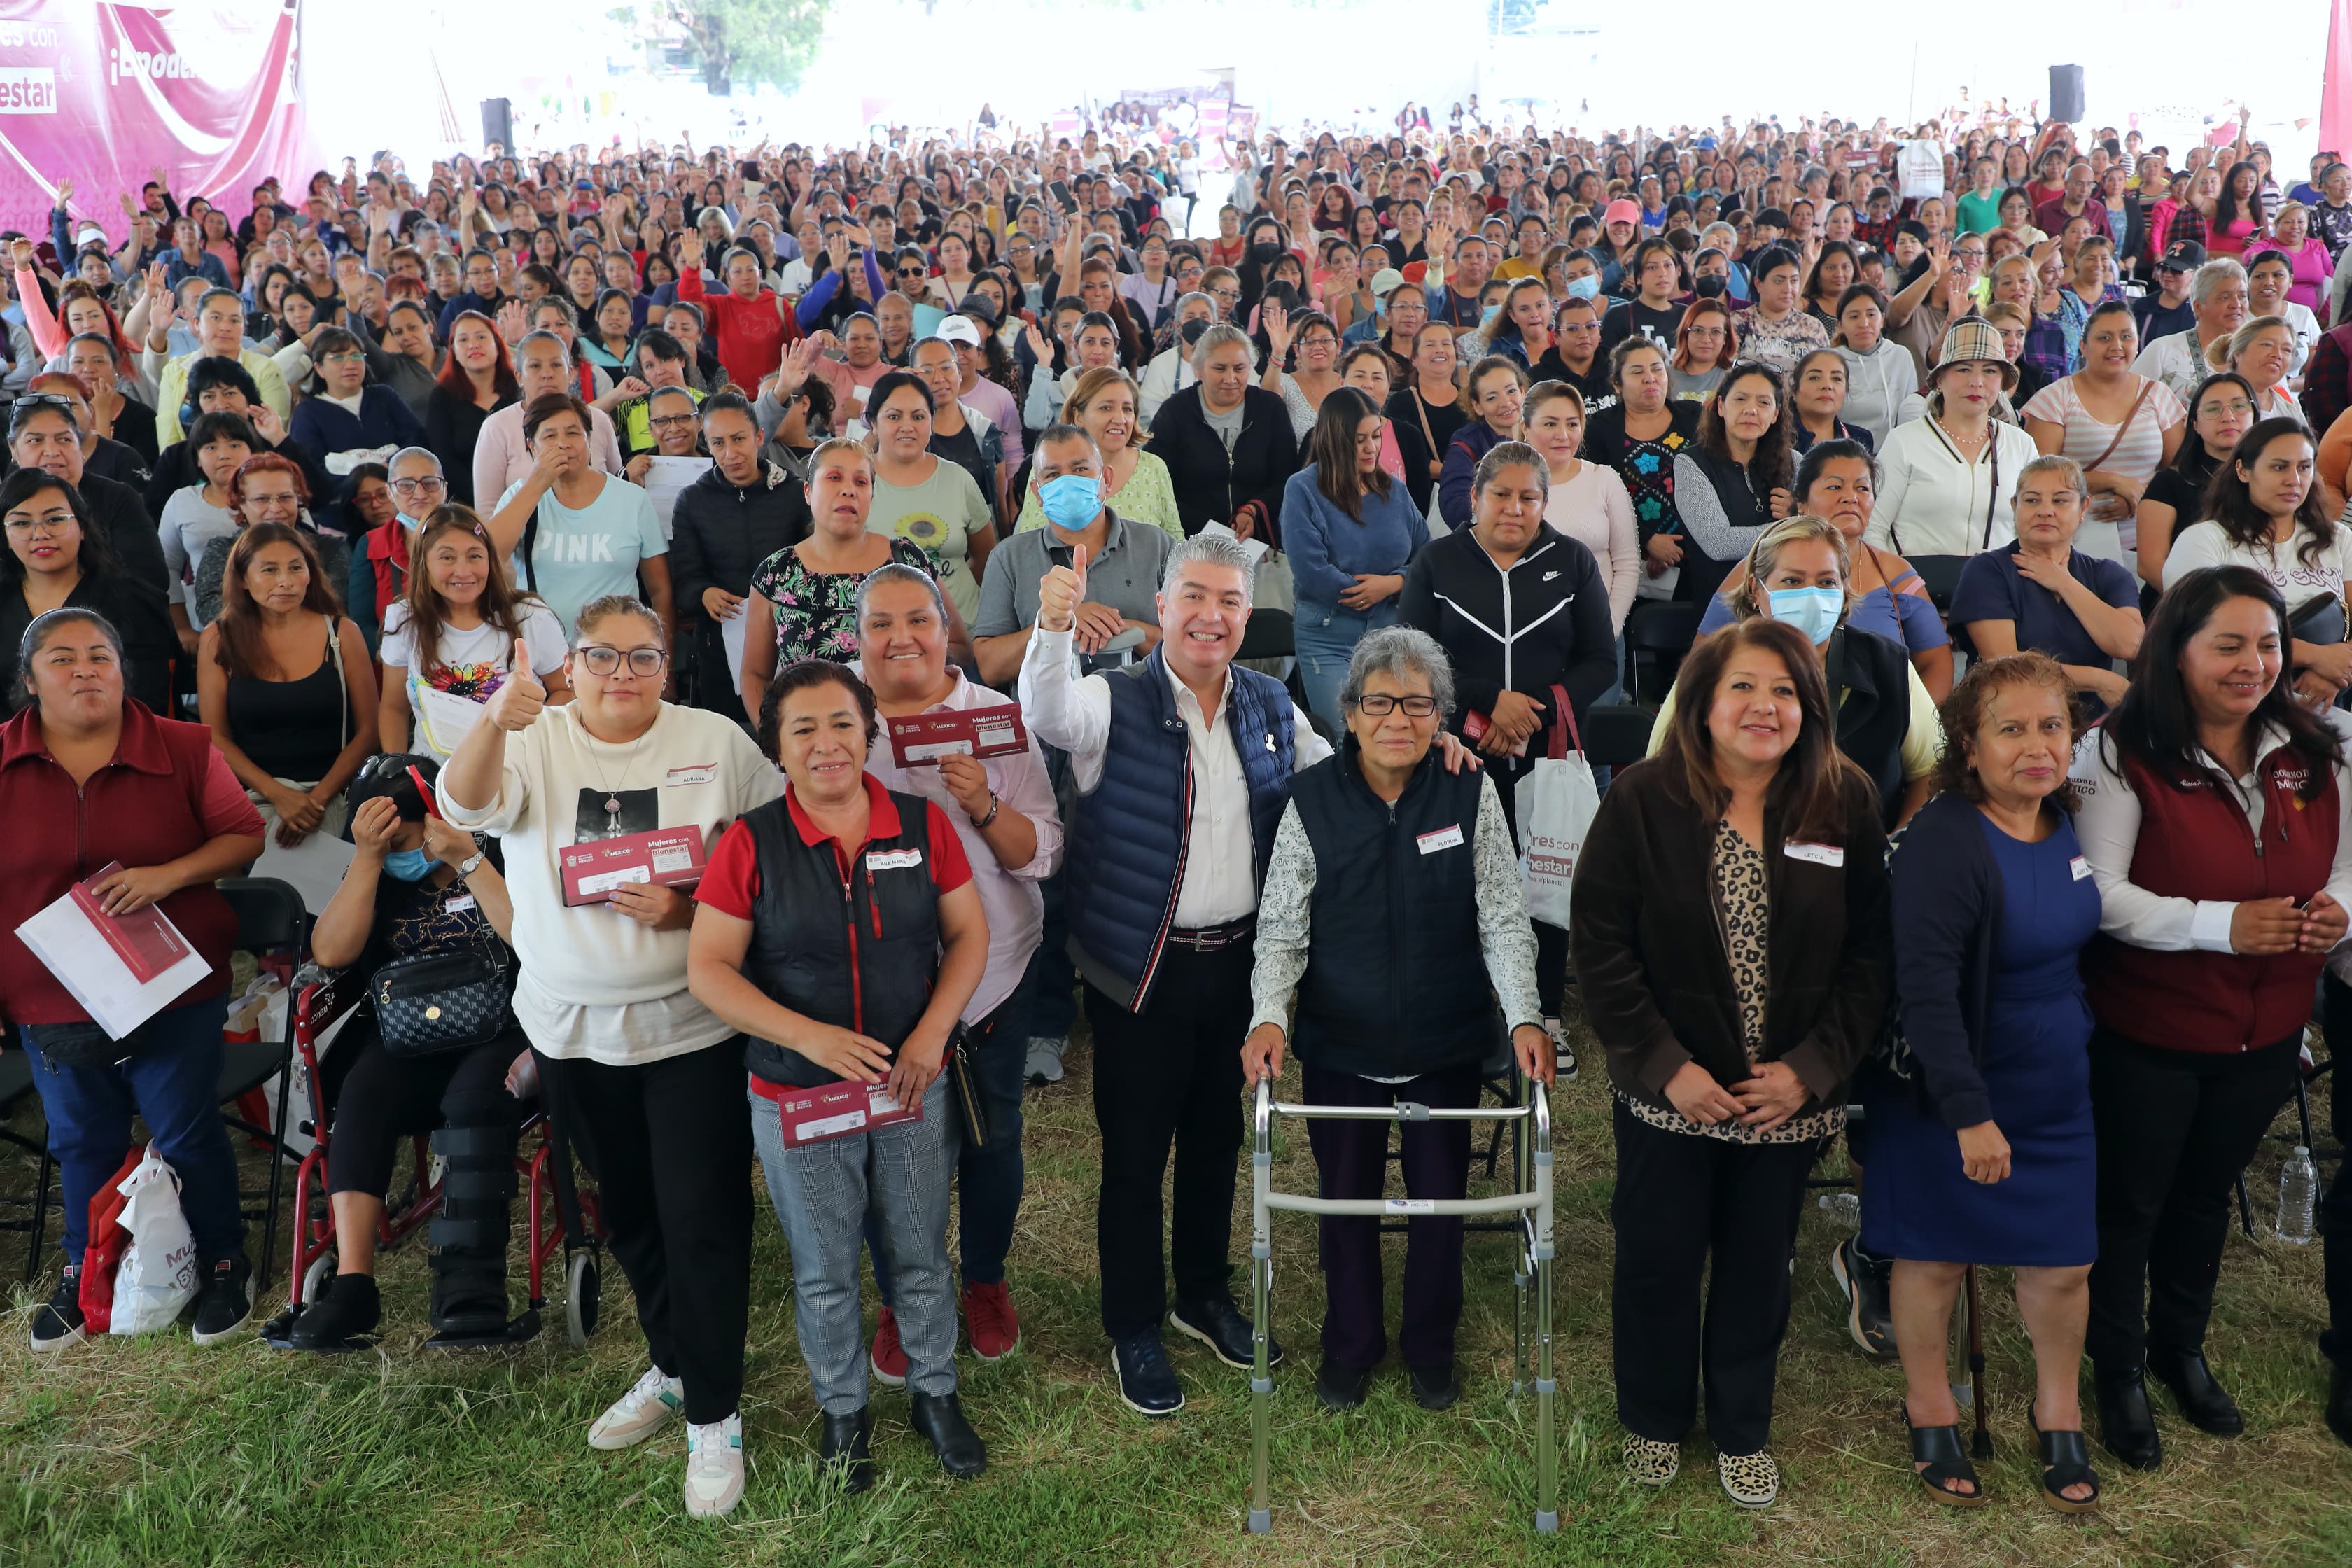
661	857
837	1109
920	740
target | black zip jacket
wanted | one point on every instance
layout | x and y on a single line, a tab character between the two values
1542	624
1210	486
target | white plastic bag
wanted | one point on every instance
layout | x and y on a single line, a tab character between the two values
1556	802
157	1279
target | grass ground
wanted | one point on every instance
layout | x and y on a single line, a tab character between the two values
158	1452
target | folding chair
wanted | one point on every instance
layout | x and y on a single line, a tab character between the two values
272	926
1532	1203
1658	632
1617	734
1939	575
17	1084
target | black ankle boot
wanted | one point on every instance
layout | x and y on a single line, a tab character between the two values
847	1444
2126	1425
2206	1403
2339	1403
343	1318
939	1417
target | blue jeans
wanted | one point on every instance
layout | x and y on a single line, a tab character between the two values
1051	987
1326	637
988	1178
170	1081
824	1192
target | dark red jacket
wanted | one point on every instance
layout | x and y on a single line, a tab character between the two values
2197	843
166	792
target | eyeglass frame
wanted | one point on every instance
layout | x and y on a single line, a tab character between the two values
1362	702
588	653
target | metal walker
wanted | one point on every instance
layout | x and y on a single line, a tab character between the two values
1532	1169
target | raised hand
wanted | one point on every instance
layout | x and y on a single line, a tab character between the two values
1060	591
518	704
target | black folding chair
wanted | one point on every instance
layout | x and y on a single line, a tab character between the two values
1617	734
17	1085
272	926
1657	634
1939	575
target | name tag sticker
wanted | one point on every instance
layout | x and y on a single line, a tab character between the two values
1819	854
1444	839
892	859
460	904
2080	866
699	774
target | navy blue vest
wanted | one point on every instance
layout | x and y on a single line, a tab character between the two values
859	956
1127	849
1396	980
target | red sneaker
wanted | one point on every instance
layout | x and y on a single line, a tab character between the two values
889	1356
989	1321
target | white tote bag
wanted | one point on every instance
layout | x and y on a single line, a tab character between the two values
158	1275
1556	802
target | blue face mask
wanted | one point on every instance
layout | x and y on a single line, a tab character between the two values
1071	502
414	865
1585	288
1812	611
1486	319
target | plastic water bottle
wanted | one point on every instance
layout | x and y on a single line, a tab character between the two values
2298	1192
1844	1209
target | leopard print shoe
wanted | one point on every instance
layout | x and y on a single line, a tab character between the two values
1751	1480
1651	1462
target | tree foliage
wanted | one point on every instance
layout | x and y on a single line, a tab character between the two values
748	41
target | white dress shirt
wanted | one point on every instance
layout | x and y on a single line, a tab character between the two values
1220	865
1009	895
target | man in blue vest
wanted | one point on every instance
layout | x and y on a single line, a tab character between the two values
1184	763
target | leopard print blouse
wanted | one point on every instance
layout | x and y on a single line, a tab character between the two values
1742	895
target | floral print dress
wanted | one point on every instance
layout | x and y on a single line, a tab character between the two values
816	612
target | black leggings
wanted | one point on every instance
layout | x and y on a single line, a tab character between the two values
384	1099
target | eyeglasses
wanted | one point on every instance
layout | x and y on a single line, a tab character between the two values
1380	705
343	359
425	486
670	421
644	662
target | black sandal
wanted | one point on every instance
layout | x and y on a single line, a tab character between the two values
2065	1462
1939	1449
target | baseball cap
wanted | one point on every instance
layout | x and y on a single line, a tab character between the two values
958	330
1384	282
2182	256
979	307
88	232
1621	210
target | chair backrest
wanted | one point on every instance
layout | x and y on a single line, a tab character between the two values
1939	575
1661	626
1617	734
1270	634
270	921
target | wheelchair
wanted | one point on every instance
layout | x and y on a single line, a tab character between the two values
564	1220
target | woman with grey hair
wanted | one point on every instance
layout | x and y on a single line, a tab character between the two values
1522	612
1392	1008
1228	444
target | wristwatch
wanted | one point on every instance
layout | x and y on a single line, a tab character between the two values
466	868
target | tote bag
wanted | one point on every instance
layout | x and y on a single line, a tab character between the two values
1556	803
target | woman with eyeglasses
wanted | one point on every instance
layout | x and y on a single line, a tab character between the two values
2221	412
342	418
1707	345
55	560
649	1077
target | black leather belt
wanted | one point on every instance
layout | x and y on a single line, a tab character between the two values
1209	939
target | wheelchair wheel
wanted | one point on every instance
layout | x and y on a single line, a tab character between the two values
315	1278
580	1297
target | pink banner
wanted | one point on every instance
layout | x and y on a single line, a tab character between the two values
2335	82
103	94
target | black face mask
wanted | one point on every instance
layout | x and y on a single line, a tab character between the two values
1265	253
1712	286
1190	332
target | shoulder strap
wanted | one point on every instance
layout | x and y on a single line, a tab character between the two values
2147	385
1564	737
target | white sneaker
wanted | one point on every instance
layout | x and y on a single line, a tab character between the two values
1563	1055
638	1414
1044	1064
714	1467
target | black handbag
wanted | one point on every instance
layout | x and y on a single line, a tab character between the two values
81	1044
441	1002
971	1110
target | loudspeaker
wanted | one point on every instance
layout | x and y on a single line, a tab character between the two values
2066	93
498	122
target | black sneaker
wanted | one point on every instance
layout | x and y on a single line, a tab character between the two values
343	1318
1563	1055
1146	1381
225	1300
1435	1386
1340	1387
1866	1285
1217	1323
60	1323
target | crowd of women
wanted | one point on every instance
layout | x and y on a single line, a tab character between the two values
657	497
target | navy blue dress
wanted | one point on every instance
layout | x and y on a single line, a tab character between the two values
1918	1203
